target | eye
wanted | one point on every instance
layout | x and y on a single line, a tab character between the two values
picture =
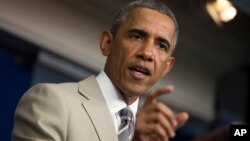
136	36
163	46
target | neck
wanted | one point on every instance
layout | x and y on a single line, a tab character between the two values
129	99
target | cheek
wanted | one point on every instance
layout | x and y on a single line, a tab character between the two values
120	57
161	66
125	52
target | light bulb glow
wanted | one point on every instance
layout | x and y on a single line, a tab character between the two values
221	11
228	14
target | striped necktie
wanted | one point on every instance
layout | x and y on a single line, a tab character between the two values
126	129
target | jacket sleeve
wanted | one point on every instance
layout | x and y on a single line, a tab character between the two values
41	115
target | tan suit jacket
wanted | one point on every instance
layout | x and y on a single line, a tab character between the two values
64	112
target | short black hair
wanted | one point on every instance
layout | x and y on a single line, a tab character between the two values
151	4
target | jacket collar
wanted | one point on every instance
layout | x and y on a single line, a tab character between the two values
97	109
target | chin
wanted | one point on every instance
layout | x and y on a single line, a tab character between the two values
135	90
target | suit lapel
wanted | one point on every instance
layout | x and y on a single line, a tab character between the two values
97	109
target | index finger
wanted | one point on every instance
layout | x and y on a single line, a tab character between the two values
165	90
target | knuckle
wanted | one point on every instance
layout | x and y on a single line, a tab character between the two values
158	105
158	115
160	130
156	126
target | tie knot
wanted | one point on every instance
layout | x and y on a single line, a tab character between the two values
126	114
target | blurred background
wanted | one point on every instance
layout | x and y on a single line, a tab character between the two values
57	41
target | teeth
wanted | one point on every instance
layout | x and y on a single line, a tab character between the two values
140	70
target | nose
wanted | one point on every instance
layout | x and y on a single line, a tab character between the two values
146	52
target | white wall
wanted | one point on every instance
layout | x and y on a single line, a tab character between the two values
55	27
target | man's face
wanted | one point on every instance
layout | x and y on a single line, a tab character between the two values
140	52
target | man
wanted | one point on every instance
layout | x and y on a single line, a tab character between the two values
138	49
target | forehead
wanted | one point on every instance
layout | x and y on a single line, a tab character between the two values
151	21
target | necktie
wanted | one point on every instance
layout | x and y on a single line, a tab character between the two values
126	129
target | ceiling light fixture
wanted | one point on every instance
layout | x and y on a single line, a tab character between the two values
221	11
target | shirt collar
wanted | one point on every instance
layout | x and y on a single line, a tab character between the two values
112	95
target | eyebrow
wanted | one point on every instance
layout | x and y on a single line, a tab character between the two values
140	31
146	34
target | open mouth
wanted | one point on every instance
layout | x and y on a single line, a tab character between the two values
140	69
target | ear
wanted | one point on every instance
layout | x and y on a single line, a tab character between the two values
170	64
105	42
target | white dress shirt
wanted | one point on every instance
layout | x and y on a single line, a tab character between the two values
113	98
